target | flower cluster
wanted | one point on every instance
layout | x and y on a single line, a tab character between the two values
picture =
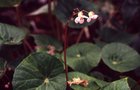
78	81
51	50
81	17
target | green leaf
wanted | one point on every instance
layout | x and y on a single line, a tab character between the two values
39	71
118	85
120	57
44	41
9	3
83	57
11	35
132	83
65	8
111	35
3	64
93	83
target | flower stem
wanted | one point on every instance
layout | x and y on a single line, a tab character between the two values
19	22
65	52
28	45
18	15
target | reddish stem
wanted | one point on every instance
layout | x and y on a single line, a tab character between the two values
28	45
65	48
19	21
65	52
18	15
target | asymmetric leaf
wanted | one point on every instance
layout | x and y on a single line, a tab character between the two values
83	57
39	71
11	35
120	57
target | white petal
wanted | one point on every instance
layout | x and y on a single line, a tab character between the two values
95	16
84	16
77	20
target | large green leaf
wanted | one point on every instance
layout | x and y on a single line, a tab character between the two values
83	57
9	3
120	57
10	34
118	85
39	71
2	67
44	41
93	83
65	8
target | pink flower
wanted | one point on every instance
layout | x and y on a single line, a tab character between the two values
81	17
77	19
92	15
51	50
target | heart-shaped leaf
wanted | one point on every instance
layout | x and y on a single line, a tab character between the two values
118	85
39	71
83	57
11	35
93	83
9	3
120	57
65	8
44	41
